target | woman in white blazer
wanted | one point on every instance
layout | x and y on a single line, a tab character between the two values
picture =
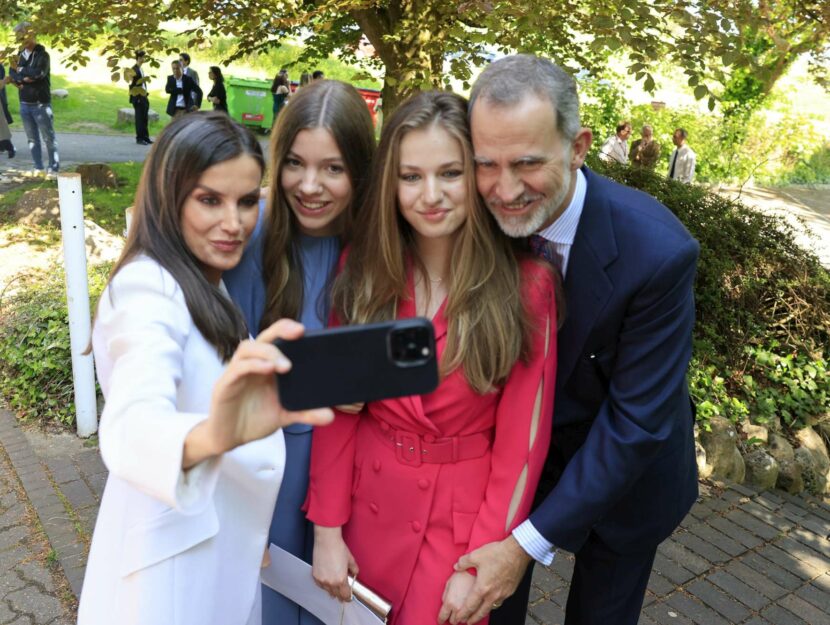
190	430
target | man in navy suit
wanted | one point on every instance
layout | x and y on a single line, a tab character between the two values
182	92
621	471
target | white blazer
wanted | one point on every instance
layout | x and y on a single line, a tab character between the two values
170	547
684	165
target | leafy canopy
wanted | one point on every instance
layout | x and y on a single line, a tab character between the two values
426	43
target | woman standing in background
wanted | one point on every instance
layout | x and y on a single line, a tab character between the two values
217	94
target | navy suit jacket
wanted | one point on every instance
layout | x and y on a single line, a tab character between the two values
622	450
188	90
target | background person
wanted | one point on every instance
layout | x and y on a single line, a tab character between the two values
190	429
645	152
139	99
320	154
181	89
615	148
5	117
30	73
683	159
217	95
318	74
280	92
473	449
621	472
191	73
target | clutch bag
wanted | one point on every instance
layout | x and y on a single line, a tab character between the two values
379	606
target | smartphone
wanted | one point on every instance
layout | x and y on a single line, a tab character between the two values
359	363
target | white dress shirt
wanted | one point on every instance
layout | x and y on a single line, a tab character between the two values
614	149
683	159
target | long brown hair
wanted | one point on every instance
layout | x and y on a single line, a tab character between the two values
182	152
487	322
337	107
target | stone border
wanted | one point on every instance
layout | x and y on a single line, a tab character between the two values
54	512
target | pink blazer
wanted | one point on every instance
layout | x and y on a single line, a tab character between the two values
407	522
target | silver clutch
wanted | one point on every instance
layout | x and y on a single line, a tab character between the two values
379	606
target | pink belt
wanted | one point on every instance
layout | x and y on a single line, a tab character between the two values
414	449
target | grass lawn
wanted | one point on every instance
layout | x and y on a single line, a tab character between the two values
93	102
90	108
103	206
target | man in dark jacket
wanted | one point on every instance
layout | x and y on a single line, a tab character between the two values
185	95
139	100
30	74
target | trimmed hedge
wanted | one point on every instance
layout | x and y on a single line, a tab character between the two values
762	337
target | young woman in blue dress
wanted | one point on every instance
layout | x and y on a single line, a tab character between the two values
320	157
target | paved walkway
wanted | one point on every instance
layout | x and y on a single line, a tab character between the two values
805	208
740	557
75	148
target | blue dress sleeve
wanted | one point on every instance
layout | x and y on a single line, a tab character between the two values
245	282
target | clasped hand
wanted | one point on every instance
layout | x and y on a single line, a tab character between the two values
499	568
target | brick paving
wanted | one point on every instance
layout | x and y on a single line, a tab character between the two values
740	557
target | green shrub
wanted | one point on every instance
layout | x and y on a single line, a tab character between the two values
762	337
35	356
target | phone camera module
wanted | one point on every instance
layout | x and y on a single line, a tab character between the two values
410	346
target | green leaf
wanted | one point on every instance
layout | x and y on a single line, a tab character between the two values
700	91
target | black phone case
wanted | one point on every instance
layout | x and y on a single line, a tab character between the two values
352	364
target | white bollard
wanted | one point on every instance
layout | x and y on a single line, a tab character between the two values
77	299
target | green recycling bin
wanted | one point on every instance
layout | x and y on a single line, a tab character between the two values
250	102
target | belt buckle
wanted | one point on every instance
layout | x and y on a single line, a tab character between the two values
408	448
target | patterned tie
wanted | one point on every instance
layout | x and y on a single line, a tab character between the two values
543	248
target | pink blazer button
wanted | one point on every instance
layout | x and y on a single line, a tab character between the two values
376	465
416	527
374	507
423	484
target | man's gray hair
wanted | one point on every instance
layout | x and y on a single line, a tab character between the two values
508	81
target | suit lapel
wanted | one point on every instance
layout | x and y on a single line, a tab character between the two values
587	286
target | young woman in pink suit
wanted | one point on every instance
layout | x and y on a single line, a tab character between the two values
402	488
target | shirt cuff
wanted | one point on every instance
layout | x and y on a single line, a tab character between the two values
537	546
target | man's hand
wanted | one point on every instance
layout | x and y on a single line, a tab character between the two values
499	569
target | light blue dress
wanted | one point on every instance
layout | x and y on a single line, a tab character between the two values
289	527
